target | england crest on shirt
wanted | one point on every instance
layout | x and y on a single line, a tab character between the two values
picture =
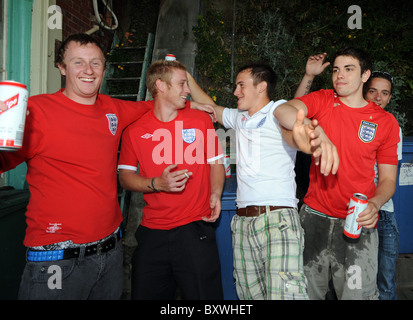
113	122
188	135
367	131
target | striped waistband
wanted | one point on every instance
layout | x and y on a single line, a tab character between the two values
318	213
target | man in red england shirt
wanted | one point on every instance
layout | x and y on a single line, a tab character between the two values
378	89
182	176
70	145
362	132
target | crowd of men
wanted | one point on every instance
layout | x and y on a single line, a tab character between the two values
170	152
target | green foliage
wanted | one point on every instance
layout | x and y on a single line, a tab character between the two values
286	33
274	45
214	55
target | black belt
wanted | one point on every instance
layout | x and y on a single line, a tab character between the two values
52	255
255	211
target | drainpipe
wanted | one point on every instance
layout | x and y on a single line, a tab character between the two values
19	26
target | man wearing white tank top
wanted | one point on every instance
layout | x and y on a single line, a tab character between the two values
268	240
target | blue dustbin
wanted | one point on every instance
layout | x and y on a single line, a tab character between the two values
403	198
224	238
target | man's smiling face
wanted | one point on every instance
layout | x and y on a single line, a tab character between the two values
84	68
379	91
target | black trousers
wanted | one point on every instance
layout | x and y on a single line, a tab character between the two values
185	257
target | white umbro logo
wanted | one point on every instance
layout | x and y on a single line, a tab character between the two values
147	136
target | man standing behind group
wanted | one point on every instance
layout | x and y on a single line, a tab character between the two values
181	175
379	89
267	235
362	133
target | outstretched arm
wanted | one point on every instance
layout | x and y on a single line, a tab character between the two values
306	135
200	97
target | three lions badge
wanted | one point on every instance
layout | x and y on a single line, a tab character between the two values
188	135
367	131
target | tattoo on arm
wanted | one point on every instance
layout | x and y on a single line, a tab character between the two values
308	87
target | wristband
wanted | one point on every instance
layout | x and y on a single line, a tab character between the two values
152	186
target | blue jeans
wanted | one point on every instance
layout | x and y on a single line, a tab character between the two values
388	253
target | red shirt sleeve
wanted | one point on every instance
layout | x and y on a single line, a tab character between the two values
387	152
127	158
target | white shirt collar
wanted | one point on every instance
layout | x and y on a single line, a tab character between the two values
263	110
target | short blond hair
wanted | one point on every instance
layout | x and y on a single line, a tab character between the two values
161	69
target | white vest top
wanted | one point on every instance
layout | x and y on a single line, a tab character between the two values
264	161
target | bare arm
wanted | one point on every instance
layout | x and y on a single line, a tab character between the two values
286	113
307	135
313	68
384	191
217	175
199	96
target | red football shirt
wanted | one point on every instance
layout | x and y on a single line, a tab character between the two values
190	141
361	136
71	153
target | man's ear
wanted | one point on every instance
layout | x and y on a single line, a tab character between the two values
365	76
160	85
61	69
262	86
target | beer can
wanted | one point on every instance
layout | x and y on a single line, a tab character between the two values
12	120
358	203
170	57
227	163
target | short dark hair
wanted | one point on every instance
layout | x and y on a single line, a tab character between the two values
359	54
378	74
262	72
81	38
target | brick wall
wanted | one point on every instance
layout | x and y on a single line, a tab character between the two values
78	16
